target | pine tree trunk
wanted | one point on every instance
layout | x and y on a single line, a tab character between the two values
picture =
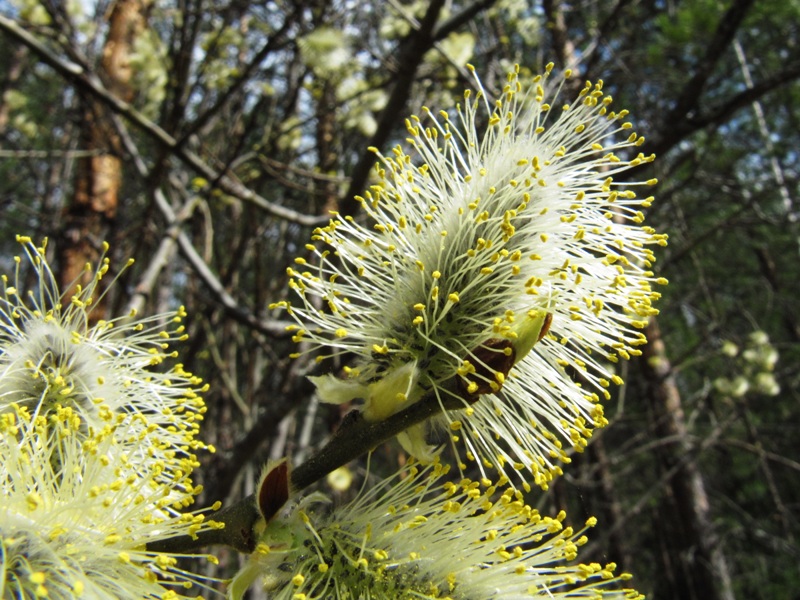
88	217
699	567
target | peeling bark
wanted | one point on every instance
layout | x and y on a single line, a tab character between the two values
89	215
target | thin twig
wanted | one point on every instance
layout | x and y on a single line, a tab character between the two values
89	82
175	235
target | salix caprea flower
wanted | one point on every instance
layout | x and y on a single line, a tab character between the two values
76	511
53	353
419	535
499	254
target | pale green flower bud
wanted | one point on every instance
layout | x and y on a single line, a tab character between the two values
326	50
739	386
765	383
530	330
758	338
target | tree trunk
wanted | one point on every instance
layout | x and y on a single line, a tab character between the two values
610	511
90	213
701	571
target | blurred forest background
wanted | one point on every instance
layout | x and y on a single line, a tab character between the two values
208	138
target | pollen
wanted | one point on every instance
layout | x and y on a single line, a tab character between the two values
539	223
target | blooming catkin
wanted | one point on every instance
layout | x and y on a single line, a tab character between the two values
76	513
419	535
53	353
499	254
97	445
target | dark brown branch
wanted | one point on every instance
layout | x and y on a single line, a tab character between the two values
354	438
411	53
562	45
677	123
723	112
461	18
672	132
722	38
239	520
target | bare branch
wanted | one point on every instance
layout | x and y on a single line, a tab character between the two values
90	83
461	18
722	38
174	235
677	123
276	40
354	438
723	112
